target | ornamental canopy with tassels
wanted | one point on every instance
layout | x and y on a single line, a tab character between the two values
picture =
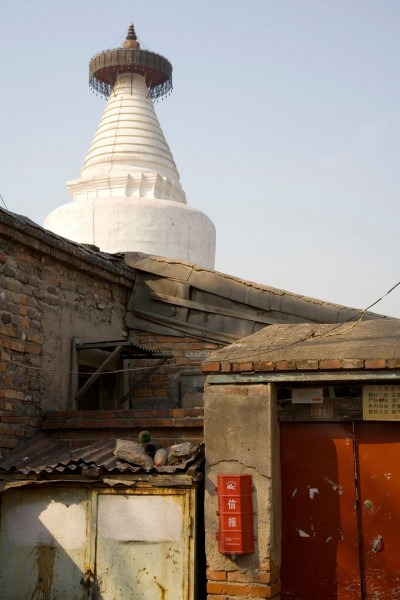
105	67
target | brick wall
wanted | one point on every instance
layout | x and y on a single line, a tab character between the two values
179	381
167	427
21	340
262	582
51	291
46	297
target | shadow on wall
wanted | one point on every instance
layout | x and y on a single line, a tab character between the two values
52	537
43	544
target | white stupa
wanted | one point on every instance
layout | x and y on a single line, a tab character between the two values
129	197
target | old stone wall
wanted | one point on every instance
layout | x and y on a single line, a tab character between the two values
47	296
242	437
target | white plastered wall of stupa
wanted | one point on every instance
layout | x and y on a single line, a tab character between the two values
128	197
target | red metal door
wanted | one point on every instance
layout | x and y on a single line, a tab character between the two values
339	542
378	446
320	558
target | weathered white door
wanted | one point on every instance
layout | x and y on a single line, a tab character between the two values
44	543
135	544
144	547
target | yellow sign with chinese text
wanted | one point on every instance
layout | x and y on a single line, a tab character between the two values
381	402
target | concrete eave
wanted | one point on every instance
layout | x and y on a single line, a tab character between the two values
369	349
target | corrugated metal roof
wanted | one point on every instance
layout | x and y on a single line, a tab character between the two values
43	455
128	349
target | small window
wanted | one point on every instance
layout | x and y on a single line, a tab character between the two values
99	373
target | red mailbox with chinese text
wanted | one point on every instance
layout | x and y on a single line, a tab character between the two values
236	517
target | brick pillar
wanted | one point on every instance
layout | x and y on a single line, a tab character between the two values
260	583
242	436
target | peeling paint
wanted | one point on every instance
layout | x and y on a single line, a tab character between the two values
153	567
140	518
335	486
312	492
294	492
302	533
328	539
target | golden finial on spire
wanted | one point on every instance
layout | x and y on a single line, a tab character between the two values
131	39
105	67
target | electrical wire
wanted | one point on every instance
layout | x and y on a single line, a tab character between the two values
384	296
362	314
2	199
142	44
118	40
310	335
132	369
315	334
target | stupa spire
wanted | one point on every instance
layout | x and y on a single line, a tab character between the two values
131	39
105	67
129	196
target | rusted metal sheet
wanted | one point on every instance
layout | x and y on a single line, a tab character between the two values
81	544
144	545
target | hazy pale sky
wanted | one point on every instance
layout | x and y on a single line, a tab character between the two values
284	124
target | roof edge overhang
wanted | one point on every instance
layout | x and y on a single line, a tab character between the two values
386	375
